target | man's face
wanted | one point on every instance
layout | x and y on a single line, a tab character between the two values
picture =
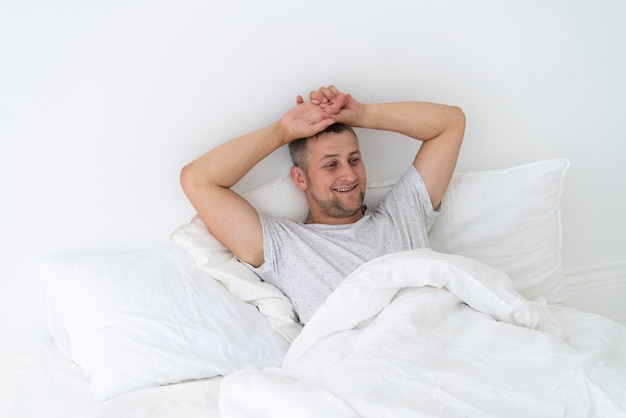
335	179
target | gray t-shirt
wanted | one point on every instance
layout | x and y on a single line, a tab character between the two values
308	261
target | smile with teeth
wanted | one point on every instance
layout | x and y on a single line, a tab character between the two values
344	189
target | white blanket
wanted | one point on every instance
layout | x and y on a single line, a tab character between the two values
426	334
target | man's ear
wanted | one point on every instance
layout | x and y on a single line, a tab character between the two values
298	177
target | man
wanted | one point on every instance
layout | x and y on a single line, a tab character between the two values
307	260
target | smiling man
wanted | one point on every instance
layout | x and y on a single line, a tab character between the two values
338	186
307	260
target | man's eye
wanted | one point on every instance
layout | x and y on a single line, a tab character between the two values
330	166
355	161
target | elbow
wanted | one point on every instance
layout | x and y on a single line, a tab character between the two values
459	116
458	121
188	178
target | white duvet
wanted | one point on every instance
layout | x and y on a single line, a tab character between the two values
421	333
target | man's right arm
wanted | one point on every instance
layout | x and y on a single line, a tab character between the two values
207	181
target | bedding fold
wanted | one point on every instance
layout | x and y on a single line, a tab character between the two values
371	288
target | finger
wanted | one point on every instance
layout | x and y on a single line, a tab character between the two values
299	100
325	123
342	100
328	93
319	96
334	89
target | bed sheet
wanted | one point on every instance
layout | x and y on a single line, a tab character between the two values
57	388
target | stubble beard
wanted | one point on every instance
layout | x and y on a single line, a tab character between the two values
335	208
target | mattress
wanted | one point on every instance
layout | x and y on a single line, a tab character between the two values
56	387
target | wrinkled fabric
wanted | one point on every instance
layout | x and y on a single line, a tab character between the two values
421	333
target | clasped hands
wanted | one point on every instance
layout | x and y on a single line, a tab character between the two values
325	107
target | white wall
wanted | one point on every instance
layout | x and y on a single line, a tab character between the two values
102	103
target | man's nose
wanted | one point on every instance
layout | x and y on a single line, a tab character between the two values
347	172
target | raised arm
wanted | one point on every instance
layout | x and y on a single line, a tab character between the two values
439	127
207	181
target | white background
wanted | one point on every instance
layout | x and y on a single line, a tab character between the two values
102	103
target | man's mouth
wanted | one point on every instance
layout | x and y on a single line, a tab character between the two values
345	189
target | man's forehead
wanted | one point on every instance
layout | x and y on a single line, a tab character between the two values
334	144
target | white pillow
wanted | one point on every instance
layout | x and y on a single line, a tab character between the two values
279	198
144	319
511	220
212	258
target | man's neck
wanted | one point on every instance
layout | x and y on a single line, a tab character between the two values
331	220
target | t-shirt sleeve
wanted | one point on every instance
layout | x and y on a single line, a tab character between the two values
270	234
409	202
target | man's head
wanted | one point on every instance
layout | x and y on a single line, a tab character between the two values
329	168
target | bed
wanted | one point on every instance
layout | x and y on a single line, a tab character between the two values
477	325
